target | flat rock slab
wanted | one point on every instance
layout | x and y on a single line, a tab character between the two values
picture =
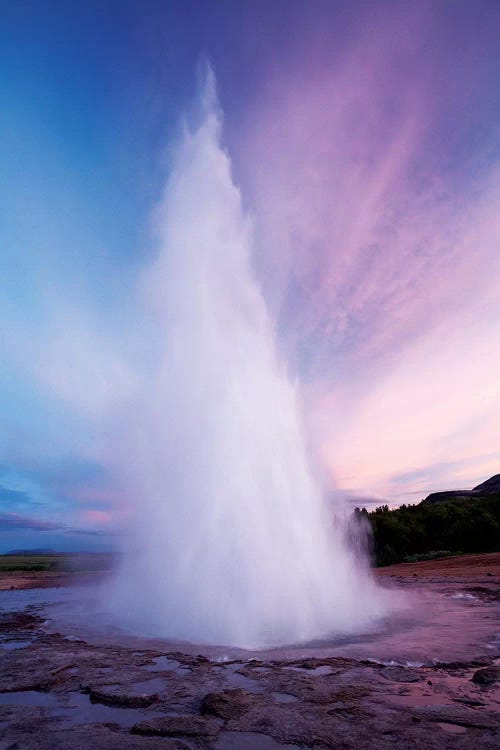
401	674
88	737
464	717
189	725
229	704
117	697
14	621
487	676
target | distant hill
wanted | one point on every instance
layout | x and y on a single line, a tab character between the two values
490	487
42	559
35	551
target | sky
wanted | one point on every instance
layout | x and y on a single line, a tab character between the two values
364	138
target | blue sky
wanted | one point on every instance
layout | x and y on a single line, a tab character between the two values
364	137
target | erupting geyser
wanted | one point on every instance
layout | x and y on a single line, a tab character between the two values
232	542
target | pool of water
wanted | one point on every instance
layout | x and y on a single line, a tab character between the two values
284	697
77	708
165	664
434	623
150	686
13	644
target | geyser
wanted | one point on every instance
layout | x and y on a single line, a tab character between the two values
232	541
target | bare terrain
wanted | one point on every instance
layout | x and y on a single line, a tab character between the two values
462	565
60	690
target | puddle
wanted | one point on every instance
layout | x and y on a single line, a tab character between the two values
242	681
14	645
321	671
80	710
164	664
148	687
284	697
29	698
235	679
76	708
249	741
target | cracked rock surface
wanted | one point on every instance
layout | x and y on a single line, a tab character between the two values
58	692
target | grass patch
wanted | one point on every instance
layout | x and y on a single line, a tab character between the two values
56	562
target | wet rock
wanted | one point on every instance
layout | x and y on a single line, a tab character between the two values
470	702
22	684
401	674
118	697
306	725
485	593
308	664
312	663
338	703
87	737
228	704
19	621
456	666
456	715
20	715
487	676
189	725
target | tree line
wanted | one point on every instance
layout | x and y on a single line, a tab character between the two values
413	532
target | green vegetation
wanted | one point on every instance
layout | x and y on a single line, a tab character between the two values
433	555
55	562
426	531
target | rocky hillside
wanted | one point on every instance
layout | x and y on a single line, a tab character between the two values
490	487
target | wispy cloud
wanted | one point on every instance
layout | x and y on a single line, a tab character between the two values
16	522
10	521
368	157
379	233
13	498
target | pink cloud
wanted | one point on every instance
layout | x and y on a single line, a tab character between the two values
90	495
97	517
379	255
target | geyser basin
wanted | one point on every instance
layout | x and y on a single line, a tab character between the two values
232	541
438	624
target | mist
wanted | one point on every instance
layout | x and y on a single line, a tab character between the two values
232	540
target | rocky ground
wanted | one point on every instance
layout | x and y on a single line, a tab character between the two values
44	579
59	692
485	566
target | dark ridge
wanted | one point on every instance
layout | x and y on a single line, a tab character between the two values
489	487
34	551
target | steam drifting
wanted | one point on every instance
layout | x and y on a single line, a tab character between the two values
232	540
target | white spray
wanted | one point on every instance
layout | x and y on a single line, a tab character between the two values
233	543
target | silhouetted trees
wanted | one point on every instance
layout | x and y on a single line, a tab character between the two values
451	527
